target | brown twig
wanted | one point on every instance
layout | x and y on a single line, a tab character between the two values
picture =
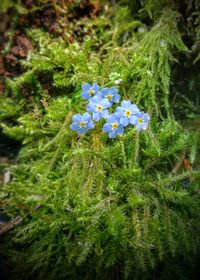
179	163
10	225
15	222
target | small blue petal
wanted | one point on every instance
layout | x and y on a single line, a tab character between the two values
95	86
116	98
82	130
138	127
107	127
120	130
134	109
104	114
119	113
124	121
96	99
77	118
90	125
86	117
74	126
96	116
112	134
86	87
125	104
146	117
91	107
113	90
144	126
111	118
85	95
105	103
104	91
133	119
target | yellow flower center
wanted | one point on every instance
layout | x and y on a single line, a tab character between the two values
99	108
115	125
127	113
91	92
82	124
140	121
109	96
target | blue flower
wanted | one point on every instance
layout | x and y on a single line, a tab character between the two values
127	112
111	94
141	121
82	123
98	106
89	91
113	126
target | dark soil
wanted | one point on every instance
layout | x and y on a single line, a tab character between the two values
54	19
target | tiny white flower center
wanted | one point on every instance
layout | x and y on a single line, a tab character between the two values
128	113
140	121
115	125
109	96
82	124
99	108
91	92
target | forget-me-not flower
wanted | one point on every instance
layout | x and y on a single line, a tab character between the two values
141	121
127	112
89	91
82	123
98	106
111	94
113	126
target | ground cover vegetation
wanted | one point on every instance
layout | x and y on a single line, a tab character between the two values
94	206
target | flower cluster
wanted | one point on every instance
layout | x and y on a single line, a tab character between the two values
100	104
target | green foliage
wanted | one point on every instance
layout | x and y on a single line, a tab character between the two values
117	200
7	4
151	62
105	205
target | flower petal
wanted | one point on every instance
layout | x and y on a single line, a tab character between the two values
111	118
105	103
82	130
104	114
120	130
133	119
124	121
74	126
126	104
116	98
113	90
86	87
104	91
96	116
95	86
119	113
86	117
77	118
134	109
107	127
112	134
144	126
91	107
96	99
85	95
138	127
90	125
